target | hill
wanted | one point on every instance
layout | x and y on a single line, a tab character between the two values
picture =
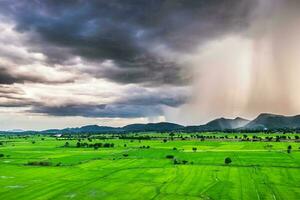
219	125
272	121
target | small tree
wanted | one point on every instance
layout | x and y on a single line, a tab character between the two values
289	149
1	155
67	144
194	149
227	161
78	144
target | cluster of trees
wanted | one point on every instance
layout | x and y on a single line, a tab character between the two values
140	137
180	162
177	161
95	145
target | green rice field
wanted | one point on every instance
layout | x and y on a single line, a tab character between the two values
44	167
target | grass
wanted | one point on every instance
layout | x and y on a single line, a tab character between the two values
256	172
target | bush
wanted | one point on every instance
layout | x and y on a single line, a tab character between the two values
227	160
1	155
39	163
176	162
170	156
184	162
125	155
289	149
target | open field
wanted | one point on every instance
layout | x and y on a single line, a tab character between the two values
259	170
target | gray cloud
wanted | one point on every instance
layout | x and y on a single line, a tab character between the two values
126	31
146	104
8	77
108	111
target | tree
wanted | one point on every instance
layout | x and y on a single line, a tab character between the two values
78	144
1	155
227	161
289	149
194	149
67	144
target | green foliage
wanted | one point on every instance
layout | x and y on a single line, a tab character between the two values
227	161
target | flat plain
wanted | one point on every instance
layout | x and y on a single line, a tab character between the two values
44	167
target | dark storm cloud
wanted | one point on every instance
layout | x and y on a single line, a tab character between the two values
109	111
125	31
148	70
144	105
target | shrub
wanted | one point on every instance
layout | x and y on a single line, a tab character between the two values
125	155
227	161
289	149
174	148
184	162
194	149
1	155
170	156
176	162
39	163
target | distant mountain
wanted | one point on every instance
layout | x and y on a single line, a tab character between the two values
223	123
157	127
262	122
16	130
271	121
83	129
220	124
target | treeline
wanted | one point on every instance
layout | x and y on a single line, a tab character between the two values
91	145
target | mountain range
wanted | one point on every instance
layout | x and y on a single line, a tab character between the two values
264	121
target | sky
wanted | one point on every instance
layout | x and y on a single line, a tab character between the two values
77	62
